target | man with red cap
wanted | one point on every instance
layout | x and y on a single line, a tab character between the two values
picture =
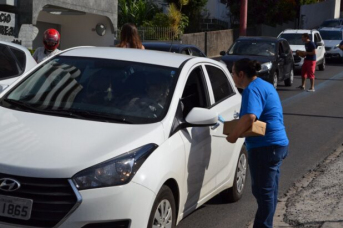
51	40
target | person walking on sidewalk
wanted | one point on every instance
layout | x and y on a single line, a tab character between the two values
129	37
265	153
51	40
309	66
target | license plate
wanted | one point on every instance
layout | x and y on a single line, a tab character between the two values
14	207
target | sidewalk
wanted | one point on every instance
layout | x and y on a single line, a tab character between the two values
315	201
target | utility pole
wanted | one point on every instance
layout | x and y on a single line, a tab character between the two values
243	18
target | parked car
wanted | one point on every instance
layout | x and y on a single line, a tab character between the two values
332	38
115	137
274	54
186	49
332	23
15	60
293	36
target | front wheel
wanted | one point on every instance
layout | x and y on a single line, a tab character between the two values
163	213
289	81
236	192
275	79
322	66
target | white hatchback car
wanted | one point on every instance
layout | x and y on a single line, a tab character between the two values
15	60
116	137
293	36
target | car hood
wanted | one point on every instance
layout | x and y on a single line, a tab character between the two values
230	59
297	47
39	145
331	43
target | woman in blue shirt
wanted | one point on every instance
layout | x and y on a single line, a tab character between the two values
260	101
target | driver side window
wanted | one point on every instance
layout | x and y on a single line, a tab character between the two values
195	93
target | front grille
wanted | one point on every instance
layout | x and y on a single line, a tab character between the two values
52	200
327	48
118	224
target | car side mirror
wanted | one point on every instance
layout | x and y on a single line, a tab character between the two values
283	55
201	117
320	44
222	53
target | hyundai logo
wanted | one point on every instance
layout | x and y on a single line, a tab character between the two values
9	185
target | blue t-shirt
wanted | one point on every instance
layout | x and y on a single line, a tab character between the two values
261	99
310	46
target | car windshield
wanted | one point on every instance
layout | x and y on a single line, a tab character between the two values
293	38
253	47
96	89
331	35
331	23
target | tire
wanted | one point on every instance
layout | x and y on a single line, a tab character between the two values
289	81
321	67
164	200
235	193
274	80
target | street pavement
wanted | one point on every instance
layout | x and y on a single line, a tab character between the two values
315	201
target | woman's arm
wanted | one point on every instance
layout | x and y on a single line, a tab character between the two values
244	123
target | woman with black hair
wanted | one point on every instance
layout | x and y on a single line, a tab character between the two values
265	153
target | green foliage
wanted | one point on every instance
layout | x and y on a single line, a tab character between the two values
136	11
32	51
307	2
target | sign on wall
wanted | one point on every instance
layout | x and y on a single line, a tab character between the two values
7	23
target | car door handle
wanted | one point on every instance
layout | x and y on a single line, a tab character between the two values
235	115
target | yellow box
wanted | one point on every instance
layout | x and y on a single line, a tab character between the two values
257	129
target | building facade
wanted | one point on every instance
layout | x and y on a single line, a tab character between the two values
80	22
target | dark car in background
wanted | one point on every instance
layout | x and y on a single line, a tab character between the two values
186	49
274	54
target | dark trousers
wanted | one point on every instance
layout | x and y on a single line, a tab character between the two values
264	163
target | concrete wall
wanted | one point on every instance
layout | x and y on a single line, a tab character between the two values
79	30
266	30
311	16
216	40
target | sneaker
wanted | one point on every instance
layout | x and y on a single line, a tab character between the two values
301	87
311	90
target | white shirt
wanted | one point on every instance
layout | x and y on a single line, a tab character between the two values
40	54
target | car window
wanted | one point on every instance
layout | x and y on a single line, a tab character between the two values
21	57
98	89
331	35
220	84
281	51
195	93
330	23
8	64
253	47
196	52
286	47
293	38
185	51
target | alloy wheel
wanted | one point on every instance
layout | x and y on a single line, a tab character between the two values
241	172
163	215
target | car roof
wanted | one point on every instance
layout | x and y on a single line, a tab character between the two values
300	31
129	54
267	38
18	46
338	28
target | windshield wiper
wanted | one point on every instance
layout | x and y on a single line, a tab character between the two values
22	104
101	116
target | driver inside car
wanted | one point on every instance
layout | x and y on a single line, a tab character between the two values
152	103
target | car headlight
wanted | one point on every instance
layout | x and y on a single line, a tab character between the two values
116	171
335	47
266	66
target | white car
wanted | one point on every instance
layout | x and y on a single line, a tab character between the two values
117	137
293	36
332	37
15	60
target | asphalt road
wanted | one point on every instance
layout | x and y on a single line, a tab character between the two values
314	124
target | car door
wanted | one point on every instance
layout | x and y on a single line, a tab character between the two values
226	102
288	59
320	50
199	144
280	62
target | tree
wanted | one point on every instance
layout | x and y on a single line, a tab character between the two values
270	12
136	11
192	10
